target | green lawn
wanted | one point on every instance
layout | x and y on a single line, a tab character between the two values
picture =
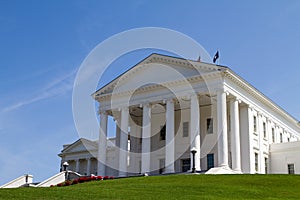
171	187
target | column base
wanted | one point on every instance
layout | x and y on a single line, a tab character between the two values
221	170
123	174
238	171
169	172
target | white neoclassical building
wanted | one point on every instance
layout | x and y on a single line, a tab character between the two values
165	106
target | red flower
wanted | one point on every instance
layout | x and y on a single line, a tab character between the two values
105	177
59	185
111	177
67	183
88	179
99	177
81	179
51	185
75	182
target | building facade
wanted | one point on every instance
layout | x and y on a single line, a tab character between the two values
164	107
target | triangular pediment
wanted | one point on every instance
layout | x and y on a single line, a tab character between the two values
157	69
80	146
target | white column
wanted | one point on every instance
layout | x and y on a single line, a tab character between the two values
88	167
195	131
123	155
261	158
222	129
170	143
146	135
77	165
102	144
235	135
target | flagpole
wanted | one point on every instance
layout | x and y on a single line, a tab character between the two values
219	56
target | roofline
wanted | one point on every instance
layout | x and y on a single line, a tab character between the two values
143	60
80	139
122	74
264	96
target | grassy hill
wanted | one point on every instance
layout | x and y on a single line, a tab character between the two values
171	187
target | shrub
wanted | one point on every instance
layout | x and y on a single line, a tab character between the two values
105	177
59	185
111	177
99	177
81	179
67	183
75	182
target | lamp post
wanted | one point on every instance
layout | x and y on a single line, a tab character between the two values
193	151
65	165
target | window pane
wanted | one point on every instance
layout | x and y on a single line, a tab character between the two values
264	130
266	165
256	162
209	126
185	165
185	129
210	161
254	123
163	133
291	168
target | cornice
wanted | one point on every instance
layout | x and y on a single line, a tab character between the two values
149	88
258	95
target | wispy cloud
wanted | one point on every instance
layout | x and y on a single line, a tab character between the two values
54	88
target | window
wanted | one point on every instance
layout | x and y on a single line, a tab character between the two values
264	130
162	135
281	139
291	168
210	161
273	135
209	126
266	165
254	124
288	139
256	161
185	165
185	129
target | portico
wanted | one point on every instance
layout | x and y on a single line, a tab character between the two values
172	111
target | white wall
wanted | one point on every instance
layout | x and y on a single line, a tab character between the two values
283	154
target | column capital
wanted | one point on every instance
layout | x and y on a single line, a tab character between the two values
221	91
171	100
259	114
146	104
234	98
103	112
125	108
251	107
194	95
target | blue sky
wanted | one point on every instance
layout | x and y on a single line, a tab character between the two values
42	44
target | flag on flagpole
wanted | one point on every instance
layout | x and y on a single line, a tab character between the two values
199	59
216	57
